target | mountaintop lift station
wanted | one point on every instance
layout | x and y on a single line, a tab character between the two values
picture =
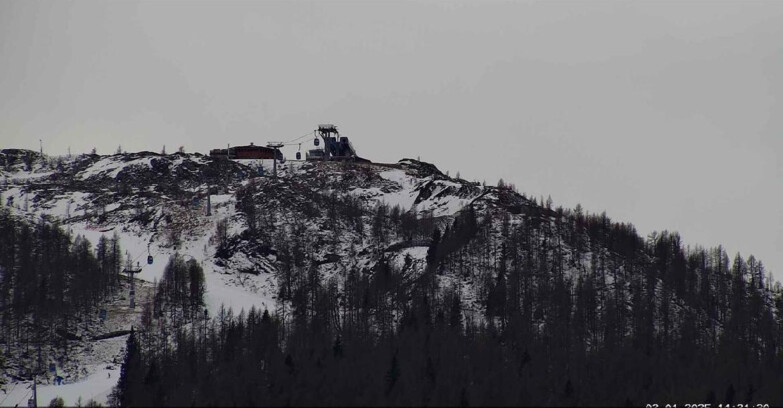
336	147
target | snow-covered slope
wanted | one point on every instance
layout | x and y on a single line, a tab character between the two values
157	205
161	204
337	222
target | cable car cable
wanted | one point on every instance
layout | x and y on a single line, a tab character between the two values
300	137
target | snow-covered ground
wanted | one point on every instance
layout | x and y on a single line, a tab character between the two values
239	292
109	167
429	194
97	386
89	208
95	368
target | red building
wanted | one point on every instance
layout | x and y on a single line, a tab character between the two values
244	152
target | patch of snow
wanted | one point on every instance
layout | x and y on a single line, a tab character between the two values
103	165
111	166
97	386
238	291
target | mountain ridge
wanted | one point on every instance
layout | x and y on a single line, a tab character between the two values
505	257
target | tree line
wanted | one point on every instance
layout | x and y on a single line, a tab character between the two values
50	281
541	307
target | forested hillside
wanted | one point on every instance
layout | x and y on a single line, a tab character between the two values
52	286
575	310
363	284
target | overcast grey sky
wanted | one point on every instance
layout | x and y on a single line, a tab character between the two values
664	114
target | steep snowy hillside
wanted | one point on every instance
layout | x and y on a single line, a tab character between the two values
198	206
376	242
233	221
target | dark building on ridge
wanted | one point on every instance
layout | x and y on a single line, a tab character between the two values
336	147
250	151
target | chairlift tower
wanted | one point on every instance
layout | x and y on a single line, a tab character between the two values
130	270
276	146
